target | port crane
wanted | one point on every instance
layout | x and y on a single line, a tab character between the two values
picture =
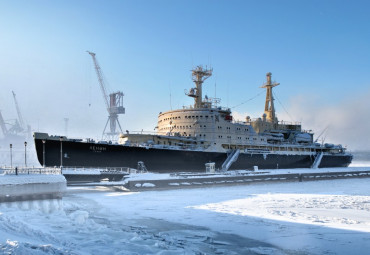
113	103
18	130
19	122
3	126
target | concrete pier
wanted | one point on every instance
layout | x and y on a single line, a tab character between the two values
31	187
194	181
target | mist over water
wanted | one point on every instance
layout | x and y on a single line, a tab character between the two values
346	122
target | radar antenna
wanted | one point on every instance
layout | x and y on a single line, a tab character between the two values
199	76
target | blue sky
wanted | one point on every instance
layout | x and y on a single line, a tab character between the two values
318	51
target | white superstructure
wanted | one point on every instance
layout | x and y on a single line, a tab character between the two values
205	126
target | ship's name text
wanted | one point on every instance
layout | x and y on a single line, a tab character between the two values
98	148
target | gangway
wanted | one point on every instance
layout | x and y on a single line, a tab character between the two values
233	156
317	161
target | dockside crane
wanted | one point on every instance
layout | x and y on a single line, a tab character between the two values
3	126
20	117
113	103
20	128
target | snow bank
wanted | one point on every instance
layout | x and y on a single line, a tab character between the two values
24	187
321	217
86	171
27	179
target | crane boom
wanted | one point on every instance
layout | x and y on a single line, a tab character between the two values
100	78
113	102
20	118
2	125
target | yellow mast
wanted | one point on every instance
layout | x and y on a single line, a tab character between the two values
269	104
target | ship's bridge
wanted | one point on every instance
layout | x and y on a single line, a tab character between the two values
214	125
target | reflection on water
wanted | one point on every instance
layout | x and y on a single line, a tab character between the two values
45	205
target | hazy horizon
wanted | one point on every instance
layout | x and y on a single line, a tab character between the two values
317	50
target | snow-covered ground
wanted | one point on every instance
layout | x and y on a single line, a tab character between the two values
319	217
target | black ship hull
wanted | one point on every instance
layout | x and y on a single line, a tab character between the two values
84	154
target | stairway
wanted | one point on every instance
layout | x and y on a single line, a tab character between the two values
231	158
317	161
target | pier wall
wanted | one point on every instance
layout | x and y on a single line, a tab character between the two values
31	187
190	182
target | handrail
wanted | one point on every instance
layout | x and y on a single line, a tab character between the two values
57	170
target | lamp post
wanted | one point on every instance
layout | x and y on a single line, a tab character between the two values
11	156
61	152
25	154
43	153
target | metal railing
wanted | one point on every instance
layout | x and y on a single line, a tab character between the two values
101	169
29	170
57	170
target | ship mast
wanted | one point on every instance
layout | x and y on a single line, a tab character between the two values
199	76
269	104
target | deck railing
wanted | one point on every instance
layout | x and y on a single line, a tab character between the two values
29	170
57	170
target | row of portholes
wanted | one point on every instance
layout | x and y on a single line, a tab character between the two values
239	138
196	116
179	127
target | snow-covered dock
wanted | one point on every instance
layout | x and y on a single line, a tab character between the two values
150	182
31	187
